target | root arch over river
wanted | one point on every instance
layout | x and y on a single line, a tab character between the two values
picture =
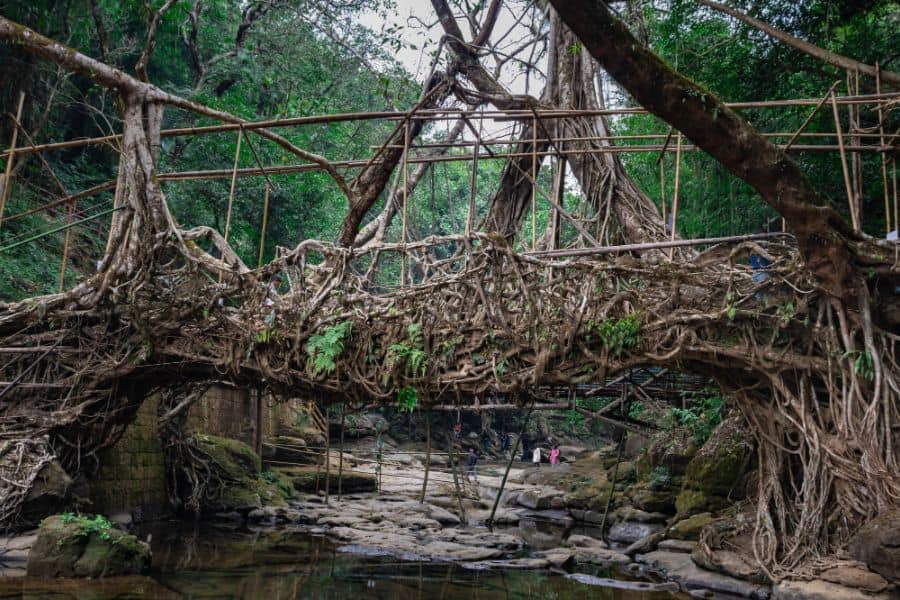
808	357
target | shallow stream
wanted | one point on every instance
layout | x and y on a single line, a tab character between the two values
198	560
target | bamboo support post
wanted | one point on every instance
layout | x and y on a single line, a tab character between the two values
234	171
470	213
675	193
404	165
534	176
260	395
853	131
327	458
7	174
67	240
662	193
847	185
453	463
884	175
427	456
341	453
265	222
512	457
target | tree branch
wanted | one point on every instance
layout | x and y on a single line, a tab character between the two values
828	56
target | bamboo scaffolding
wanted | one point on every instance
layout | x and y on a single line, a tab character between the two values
431	115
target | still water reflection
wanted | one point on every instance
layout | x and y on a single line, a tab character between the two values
202	561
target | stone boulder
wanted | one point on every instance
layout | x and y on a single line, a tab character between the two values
628	532
239	468
877	544
74	546
538	499
717	469
689	529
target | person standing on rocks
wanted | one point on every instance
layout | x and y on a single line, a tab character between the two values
536	456
554	456
473	468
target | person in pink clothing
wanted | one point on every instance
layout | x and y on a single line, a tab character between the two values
554	456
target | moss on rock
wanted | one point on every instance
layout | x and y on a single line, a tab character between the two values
74	546
717	469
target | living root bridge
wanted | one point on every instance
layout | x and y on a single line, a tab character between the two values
815	374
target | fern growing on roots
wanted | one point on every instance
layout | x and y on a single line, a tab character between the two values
323	349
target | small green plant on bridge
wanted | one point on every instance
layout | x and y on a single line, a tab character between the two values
323	349
701	418
407	399
409	354
618	334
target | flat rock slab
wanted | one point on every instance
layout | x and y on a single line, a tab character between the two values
825	590
679	567
513	563
639	586
601	556
677	546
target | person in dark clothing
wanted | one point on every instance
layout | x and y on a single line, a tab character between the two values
472	462
526	449
485	441
504	442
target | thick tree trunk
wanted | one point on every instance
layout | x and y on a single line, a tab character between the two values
821	232
621	212
370	183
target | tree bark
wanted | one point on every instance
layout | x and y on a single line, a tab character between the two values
821	232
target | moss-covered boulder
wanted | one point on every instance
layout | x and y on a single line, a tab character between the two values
242	485
715	473
689	529
69	545
310	480
650	498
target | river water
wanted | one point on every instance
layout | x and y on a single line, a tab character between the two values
197	560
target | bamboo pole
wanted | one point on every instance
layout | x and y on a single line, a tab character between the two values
427	456
512	457
855	162
65	253
884	176
234	171
11	156
662	192
462	511
815	111
265	221
534	183
675	194
443	114
404	165
470	212
341	455
847	185
327	458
